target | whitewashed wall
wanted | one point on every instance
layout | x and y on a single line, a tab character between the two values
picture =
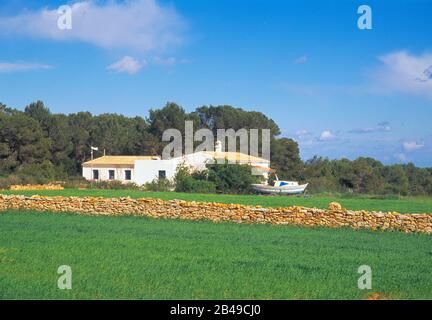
148	170
119	173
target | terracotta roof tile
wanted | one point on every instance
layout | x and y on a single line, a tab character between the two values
119	160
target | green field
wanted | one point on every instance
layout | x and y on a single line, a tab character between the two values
135	257
403	205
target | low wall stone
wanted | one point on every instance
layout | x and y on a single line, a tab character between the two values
334	217
36	187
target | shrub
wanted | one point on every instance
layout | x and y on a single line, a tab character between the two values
76	182
6	182
232	178
32	173
190	184
325	184
113	185
223	178
185	181
37	173
158	185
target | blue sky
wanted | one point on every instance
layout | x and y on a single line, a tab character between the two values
338	90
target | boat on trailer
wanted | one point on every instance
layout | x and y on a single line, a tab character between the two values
281	187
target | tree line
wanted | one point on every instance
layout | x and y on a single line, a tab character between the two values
37	146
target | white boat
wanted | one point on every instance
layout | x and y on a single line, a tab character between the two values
281	187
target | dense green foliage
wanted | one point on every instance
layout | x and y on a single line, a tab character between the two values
158	185
37	146
366	175
141	258
190	184
355	202
232	178
185	181
221	178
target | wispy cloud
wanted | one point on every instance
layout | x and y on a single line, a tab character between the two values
21	66
169	61
140	24
127	65
410	146
302	133
303	136
301	60
404	72
165	61
380	127
132	65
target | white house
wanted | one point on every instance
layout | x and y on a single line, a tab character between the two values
142	169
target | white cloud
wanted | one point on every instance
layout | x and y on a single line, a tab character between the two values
404	72
137	24
127	64
326	135
21	66
412	146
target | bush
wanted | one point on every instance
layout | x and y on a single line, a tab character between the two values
185	181
113	185
76	182
223	178
6	182
37	173
190	184
33	173
159	185
232	178
323	185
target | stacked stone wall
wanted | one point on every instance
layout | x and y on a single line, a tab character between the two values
334	217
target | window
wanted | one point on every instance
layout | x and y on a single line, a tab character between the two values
128	175
111	174
95	174
162	174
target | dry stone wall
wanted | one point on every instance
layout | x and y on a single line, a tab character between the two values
334	217
36	187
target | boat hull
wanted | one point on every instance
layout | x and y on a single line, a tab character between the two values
266	189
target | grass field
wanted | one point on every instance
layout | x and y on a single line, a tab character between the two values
403	205
135	257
